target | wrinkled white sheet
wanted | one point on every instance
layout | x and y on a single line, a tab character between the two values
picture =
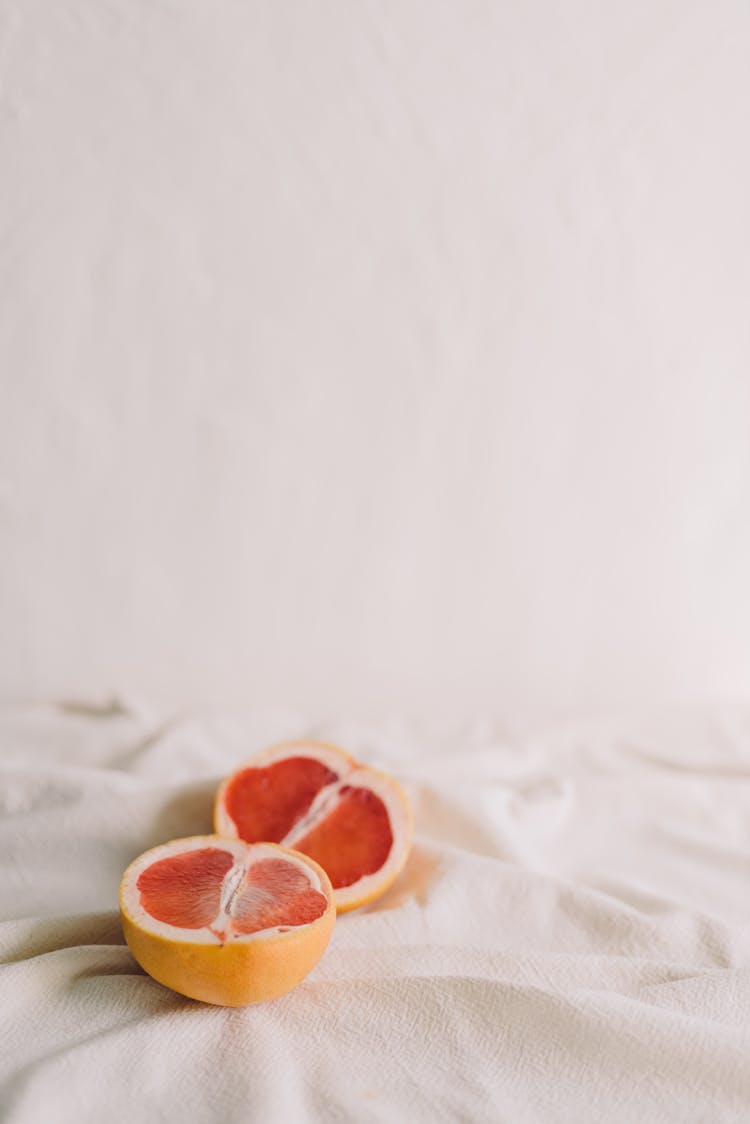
569	941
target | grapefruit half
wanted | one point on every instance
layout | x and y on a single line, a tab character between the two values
225	921
353	820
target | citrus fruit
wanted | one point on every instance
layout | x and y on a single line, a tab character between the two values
353	820
226	921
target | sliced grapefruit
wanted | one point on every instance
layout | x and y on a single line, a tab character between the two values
314	797
225	921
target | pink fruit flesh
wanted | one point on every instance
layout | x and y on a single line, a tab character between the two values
185	890
265	803
353	840
275	893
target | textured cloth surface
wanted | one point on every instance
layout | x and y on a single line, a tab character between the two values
569	940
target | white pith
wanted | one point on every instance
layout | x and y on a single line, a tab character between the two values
245	855
350	773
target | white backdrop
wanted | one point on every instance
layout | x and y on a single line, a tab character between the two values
375	356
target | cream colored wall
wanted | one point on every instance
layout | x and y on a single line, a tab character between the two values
375	356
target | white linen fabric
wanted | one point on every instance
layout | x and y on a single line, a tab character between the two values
568	942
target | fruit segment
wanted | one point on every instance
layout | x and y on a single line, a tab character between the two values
265	803
273	894
185	889
354	839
